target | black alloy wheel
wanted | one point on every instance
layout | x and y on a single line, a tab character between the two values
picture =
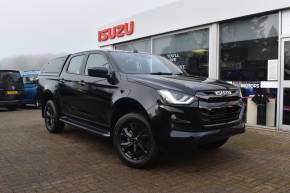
51	117
134	141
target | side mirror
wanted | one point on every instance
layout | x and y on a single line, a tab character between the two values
101	72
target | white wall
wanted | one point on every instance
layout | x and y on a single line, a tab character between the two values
286	23
189	13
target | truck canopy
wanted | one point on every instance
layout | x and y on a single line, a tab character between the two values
54	66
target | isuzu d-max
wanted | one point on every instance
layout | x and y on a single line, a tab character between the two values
141	101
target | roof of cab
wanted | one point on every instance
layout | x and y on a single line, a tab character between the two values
109	50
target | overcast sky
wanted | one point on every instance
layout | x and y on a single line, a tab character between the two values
57	26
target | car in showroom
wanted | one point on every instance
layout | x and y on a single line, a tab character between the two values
11	89
142	101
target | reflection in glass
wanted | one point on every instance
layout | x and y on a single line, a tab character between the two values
190	50
140	63
141	46
287	60
246	45
260	99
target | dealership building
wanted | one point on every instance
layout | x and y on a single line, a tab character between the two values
246	43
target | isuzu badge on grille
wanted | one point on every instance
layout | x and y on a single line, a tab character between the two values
223	92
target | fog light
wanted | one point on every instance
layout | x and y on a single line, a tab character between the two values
173	117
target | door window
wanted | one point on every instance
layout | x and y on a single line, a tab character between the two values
95	60
76	64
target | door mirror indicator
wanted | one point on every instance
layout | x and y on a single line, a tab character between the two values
101	72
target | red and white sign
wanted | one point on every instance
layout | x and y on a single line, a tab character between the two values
117	31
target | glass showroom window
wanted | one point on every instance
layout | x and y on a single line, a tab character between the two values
249	58
141	46
246	47
190	50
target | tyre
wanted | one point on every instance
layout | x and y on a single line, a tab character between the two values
11	108
51	118
134	141
213	145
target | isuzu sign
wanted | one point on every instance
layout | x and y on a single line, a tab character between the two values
223	93
117	31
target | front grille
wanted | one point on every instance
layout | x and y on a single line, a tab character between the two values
211	97
221	99
219	115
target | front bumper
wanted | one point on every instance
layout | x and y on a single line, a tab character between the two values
177	123
11	103
203	137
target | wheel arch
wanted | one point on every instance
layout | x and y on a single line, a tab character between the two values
47	95
124	106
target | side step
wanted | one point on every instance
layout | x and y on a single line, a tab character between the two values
84	126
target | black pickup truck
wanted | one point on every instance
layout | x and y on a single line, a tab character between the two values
141	101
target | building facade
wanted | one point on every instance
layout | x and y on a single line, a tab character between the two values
246	43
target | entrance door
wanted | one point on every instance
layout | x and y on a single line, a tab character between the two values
285	86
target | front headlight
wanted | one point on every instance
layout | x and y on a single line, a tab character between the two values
176	97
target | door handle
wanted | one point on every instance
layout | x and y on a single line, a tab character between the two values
82	83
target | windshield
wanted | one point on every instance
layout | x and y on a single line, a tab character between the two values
10	80
32	79
141	63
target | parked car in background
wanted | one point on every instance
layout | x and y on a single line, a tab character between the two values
31	94
11	89
142	101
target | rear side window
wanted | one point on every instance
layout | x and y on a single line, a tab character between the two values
54	65
95	60
75	64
